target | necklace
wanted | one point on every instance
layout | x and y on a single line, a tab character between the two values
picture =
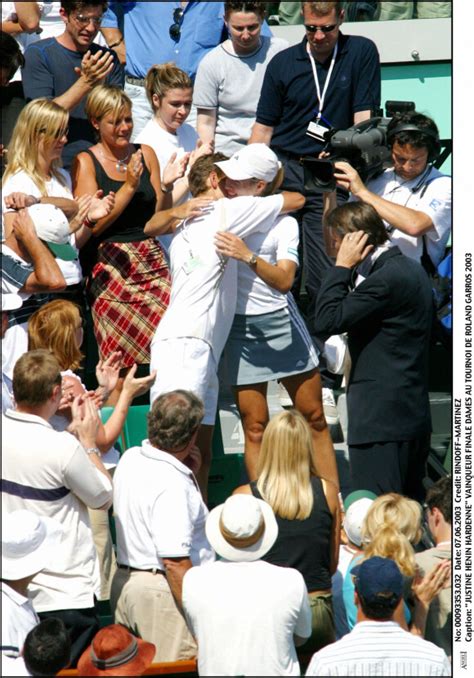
120	165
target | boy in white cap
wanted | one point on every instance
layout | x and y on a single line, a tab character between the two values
188	343
29	544
30	269
246	614
356	505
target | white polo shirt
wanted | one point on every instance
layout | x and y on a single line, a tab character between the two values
204	283
280	242
50	474
18	618
159	511
433	198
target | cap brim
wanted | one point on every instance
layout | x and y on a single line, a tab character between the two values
18	568
250	553
146	653
64	252
233	170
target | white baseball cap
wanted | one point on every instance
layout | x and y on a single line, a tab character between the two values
255	161
29	543
52	227
10	302
242	529
356	506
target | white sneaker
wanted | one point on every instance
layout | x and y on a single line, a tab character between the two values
329	406
283	397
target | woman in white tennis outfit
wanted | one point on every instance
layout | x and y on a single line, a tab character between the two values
268	339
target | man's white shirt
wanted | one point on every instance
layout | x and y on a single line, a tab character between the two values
433	197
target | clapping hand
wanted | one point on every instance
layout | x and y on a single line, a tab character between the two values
135	169
134	387
175	168
95	67
107	373
101	206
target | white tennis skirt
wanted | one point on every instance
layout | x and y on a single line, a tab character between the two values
269	346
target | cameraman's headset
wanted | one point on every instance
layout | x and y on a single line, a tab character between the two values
433	153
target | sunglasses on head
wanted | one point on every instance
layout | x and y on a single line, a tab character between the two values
175	28
324	29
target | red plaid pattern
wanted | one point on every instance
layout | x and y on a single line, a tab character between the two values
130	288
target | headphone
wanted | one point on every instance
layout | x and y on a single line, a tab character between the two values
433	153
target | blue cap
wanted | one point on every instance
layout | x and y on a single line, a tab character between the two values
377	575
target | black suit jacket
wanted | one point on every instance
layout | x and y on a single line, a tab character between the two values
388	319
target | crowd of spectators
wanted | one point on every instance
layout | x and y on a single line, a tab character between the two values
153	195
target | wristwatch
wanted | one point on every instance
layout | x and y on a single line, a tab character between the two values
92	450
252	260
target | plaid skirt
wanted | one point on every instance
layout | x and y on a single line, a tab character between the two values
130	291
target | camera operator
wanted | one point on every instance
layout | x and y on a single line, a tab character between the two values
412	197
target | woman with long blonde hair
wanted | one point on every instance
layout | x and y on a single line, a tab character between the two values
34	174
307	512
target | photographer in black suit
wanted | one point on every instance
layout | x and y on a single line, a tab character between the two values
383	300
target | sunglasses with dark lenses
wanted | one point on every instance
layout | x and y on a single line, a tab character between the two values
324	29
175	28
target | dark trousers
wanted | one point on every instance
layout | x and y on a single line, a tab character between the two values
13	101
314	261
396	466
82	625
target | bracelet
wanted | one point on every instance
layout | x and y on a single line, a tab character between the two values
88	223
116	44
166	190
93	450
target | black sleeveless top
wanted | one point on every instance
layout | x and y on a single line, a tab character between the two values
128	227
305	544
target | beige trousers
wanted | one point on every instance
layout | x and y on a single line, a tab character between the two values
105	550
143	602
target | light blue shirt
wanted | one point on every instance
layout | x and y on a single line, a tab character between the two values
145	27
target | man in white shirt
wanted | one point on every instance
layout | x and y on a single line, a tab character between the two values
377	645
56	475
412	197
29	544
246	615
189	340
160	517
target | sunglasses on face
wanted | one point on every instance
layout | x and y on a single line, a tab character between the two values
175	28
84	20
324	29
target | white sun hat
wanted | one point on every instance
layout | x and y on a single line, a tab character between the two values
255	161
244	528
29	543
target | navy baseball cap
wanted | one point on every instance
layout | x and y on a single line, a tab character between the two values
376	576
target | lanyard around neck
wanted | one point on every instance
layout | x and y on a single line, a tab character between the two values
322	96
